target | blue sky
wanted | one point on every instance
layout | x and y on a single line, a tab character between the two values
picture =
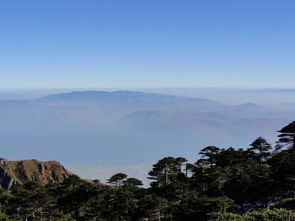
147	43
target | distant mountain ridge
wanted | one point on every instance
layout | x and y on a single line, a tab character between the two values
97	127
31	170
122	96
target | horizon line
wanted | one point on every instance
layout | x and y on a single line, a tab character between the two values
139	88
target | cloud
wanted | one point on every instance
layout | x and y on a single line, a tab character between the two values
103	173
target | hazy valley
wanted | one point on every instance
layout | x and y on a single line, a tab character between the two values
98	128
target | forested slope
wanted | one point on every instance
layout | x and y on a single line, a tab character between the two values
254	183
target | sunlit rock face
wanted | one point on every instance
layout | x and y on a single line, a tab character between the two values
31	170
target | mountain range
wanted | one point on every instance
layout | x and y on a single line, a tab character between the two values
104	128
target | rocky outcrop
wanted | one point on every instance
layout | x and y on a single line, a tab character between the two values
31	170
6	180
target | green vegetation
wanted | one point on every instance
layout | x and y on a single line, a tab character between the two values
248	184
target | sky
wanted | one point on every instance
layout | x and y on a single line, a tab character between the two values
147	43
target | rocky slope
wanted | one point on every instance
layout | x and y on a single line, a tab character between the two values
31	170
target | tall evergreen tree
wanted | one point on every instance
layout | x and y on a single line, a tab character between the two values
118	179
261	147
